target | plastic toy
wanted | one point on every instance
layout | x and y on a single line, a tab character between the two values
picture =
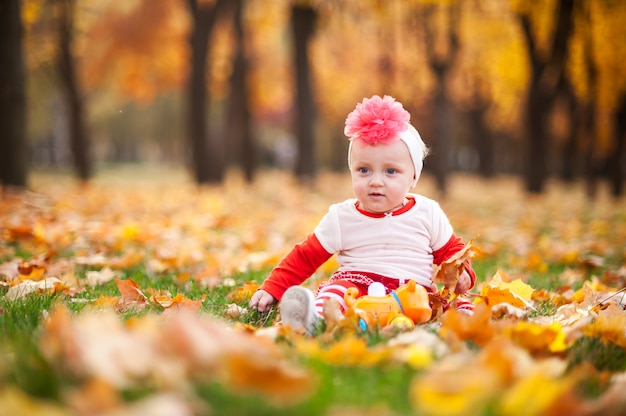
404	307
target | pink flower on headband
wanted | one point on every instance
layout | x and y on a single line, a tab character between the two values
377	120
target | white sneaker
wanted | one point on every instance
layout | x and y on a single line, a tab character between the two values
297	309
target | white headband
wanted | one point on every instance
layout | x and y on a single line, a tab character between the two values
416	146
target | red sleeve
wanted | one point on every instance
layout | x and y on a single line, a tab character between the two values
454	245
297	266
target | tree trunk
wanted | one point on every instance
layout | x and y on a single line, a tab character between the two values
440	64
536	140
239	132
570	149
303	20
587	117
13	146
79	142
206	152
443	134
617	158
483	139
544	78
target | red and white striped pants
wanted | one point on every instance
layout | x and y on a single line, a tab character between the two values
336	287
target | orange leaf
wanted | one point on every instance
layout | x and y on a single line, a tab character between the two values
494	295
165	299
107	301
243	293
448	272
281	382
131	295
29	271
477	327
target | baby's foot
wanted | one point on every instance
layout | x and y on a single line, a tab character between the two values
297	309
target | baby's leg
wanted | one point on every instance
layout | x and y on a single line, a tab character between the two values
335	289
464	305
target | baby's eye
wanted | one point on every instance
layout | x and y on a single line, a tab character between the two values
391	171
364	170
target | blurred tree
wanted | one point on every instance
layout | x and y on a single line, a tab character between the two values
238	126
206	152
442	45
303	19
588	103
547	69
617	160
13	146
74	106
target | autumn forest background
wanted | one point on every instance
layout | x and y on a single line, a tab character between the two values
534	89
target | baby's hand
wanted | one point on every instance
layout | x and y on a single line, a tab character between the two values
262	301
464	283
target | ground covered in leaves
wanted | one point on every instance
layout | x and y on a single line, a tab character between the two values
128	296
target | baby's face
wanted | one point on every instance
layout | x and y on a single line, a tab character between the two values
382	175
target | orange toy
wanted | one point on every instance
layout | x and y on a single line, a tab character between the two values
404	307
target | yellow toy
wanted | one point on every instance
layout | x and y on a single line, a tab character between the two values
404	307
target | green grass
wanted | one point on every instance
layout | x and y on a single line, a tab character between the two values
25	367
354	387
362	387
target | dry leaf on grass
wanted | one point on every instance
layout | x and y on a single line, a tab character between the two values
448	272
48	285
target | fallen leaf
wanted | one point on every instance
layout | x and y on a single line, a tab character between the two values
234	311
494	295
30	271
453	390
48	285
97	278
131	294
243	293
448	272
506	310
537	338
477	327
609	326
534	393
281	382
15	402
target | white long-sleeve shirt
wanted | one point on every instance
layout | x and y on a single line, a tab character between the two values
399	245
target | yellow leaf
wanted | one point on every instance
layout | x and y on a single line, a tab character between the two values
129	232
533	395
16	402
29	271
538	338
446	391
495	295
348	351
609	326
517	286
243	293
